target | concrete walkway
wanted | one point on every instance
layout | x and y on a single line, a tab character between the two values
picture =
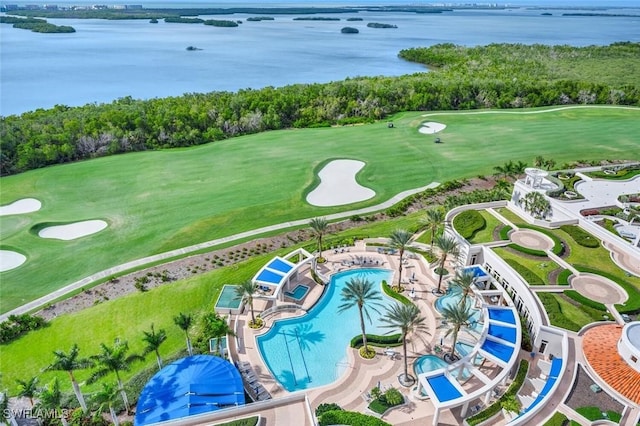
138	263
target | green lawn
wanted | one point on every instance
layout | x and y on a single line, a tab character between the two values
541	266
158	201
125	318
486	235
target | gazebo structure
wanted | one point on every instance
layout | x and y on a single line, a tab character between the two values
534	177
281	273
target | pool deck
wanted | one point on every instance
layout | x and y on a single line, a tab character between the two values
361	375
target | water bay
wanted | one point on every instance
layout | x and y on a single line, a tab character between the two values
105	60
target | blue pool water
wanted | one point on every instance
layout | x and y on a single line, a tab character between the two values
445	391
311	350
452	298
427	363
298	293
503	315
228	298
269	277
478	271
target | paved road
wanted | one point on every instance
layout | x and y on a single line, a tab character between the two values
135	264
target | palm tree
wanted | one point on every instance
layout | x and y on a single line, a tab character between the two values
400	239
319	227
185	321
464	282
114	359
505	170
50	398
246	290
448	246
360	292
434	221
153	341
518	168
407	318
70	362
536	205
454	318
28	388
216	327
108	396
539	161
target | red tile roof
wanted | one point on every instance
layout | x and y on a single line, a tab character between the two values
600	346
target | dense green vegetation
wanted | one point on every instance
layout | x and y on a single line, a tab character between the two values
527	274
566	315
558	419
36	25
182	20
581	236
220	23
340	417
349	30
494	76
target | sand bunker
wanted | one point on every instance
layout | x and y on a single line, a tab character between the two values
26	205
73	230
10	260
431	127
338	185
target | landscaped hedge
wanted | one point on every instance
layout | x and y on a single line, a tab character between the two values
468	222
394	294
581	236
563	277
495	408
526	250
558	245
554	312
376	340
585	300
527	274
340	417
504	232
632	305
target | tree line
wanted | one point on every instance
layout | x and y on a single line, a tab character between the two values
494	76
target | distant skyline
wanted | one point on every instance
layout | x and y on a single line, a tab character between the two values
275	3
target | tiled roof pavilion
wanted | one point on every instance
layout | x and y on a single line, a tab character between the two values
601	351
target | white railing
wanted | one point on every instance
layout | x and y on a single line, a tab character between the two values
290	307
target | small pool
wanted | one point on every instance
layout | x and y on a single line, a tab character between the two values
478	272
427	363
228	302
452	298
298	293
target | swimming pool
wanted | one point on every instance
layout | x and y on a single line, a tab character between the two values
298	293
427	363
228	302
311	350
452	298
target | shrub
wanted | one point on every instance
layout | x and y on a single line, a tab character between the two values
340	417
18	325
393	397
581	236
382	402
527	274
324	407
468	222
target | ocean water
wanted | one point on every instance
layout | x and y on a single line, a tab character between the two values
106	60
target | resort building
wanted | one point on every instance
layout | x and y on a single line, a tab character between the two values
512	347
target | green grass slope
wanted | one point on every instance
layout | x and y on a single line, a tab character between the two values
158	201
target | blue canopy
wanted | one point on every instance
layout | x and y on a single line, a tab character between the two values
192	385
